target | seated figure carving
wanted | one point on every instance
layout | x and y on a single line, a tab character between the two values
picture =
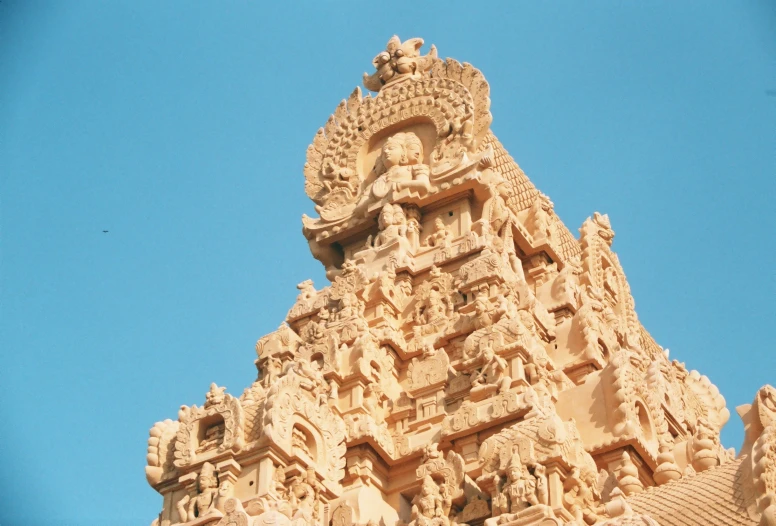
214	435
393	225
493	374
428	507
519	491
441	237
204	503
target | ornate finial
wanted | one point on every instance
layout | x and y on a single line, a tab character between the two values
215	396
399	59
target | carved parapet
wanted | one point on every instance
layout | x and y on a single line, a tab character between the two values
361	428
283	344
209	431
473	415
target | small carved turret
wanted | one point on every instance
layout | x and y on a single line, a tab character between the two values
628	476
704	453
667	470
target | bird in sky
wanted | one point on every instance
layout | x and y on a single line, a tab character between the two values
104	231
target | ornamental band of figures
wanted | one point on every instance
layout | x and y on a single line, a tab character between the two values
470	363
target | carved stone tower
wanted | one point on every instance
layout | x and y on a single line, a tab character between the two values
471	362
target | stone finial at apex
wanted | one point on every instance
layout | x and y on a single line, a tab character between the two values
400	59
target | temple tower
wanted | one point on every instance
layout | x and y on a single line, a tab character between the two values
471	361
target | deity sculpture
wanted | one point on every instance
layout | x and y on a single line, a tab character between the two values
272	370
431	314
428	506
519	491
440	237
204	502
214	434
400	166
392	223
581	495
373	402
493	373
303	498
311	379
495	212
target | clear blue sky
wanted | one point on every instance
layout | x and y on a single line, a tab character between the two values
181	127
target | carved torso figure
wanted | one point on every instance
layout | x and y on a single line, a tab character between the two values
428	506
392	224
494	370
440	237
204	502
400	166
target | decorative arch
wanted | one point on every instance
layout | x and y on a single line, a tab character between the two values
289	406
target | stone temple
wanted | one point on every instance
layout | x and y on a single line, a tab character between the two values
472	362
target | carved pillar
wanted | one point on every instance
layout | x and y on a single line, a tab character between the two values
228	471
266	476
555	485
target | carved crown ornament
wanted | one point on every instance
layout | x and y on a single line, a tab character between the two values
470	363
420	134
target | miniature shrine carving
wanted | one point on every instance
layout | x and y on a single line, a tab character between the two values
470	362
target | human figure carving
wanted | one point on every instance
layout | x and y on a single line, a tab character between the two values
581	496
519	492
441	235
400	166
373	402
272	371
214	435
204	502
493	372
428	506
392	223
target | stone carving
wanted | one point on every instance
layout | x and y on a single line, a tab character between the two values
222	420
433	368
429	507
440	238
203	503
400	166
540	222
160	455
704	447
399	59
493	336
492	375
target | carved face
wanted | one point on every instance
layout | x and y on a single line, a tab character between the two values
393	152
428	486
414	148
386	216
439	225
206	482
